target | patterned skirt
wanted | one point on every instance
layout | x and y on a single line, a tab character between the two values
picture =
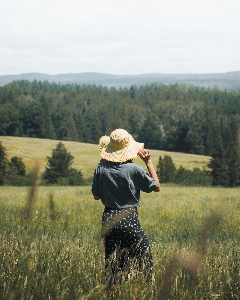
127	250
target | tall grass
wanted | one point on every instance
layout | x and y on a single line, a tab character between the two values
55	251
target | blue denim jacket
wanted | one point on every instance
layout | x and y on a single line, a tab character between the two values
119	184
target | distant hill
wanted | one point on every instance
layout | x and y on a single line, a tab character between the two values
86	156
224	81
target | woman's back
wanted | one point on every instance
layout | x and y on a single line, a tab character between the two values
119	184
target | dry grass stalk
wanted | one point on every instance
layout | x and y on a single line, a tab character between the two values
65	225
51	207
60	247
30	198
212	220
137	289
11	296
19	244
75	235
190	262
92	294
169	271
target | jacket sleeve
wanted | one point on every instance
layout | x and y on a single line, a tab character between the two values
95	183
145	182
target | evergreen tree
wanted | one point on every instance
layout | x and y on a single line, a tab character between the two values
3	164
93	127
64	124
219	166
3	120
132	92
149	133
47	125
182	175
80	126
59	164
233	162
166	170
31	118
194	137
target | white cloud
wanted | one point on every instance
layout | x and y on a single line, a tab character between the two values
119	37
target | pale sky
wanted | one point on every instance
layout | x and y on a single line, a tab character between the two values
122	37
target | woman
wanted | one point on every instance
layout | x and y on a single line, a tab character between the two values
117	182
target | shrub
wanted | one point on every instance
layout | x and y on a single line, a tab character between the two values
16	180
75	178
16	173
18	164
168	173
195	177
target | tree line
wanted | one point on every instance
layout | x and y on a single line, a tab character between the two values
178	117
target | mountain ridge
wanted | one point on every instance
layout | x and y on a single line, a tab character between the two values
224	81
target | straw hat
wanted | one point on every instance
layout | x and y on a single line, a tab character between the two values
119	147
103	142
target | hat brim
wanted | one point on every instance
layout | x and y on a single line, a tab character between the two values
122	155
103	142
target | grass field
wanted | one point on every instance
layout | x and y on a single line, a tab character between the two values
50	244
86	156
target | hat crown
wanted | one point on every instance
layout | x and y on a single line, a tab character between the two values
119	139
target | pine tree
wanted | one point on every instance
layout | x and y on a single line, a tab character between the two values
59	164
149	132
230	138
166	170
218	165
45	113
132	92
233	161
3	164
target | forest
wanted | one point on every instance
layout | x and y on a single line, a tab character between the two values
180	117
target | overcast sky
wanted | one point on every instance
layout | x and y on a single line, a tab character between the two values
119	36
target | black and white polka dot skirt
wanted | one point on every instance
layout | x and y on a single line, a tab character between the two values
127	249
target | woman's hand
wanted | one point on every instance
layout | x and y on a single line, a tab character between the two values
144	154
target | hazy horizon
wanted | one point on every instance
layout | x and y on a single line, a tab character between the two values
140	74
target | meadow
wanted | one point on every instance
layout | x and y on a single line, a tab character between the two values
86	156
50	244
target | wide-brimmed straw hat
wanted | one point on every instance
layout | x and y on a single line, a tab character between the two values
120	146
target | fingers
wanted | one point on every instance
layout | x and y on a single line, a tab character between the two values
143	153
